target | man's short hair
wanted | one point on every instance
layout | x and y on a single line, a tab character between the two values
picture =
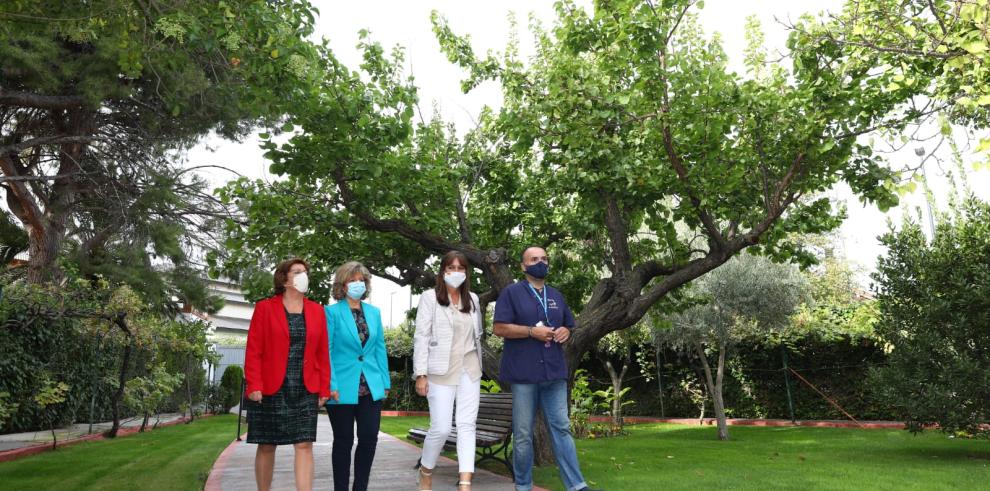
522	254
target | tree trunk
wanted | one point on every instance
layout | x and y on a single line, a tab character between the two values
723	428
45	215
43	250
144	423
119	393
120	321
616	378
189	397
715	387
490	359
542	448
660	383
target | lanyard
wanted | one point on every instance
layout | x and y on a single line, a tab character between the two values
541	301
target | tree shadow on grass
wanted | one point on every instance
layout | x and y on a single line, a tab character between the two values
941	453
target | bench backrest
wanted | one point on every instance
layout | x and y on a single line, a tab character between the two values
495	413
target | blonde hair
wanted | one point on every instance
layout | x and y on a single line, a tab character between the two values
344	274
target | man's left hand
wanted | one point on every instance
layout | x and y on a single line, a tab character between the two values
561	334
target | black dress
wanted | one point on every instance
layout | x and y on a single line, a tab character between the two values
289	415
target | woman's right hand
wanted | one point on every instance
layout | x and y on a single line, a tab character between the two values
255	396
422	386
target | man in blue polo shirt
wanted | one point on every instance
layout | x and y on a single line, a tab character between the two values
534	320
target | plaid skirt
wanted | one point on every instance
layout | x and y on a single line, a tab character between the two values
289	415
284	418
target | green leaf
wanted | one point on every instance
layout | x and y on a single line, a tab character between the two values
975	47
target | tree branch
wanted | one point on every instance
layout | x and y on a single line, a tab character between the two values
616	225
646	271
45	140
462	219
38	178
30	210
941	23
430	241
675	161
28	99
792	172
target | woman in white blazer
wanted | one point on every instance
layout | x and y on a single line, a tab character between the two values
447	365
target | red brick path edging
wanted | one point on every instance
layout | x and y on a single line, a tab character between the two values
759	422
405	413
216	472
17	453
711	421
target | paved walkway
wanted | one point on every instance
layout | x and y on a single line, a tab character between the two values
392	470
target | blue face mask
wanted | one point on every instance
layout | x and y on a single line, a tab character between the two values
538	270
356	289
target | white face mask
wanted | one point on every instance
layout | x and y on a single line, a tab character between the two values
301	282
454	279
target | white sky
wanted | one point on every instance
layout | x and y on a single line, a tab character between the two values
407	23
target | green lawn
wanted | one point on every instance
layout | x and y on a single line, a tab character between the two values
169	458
656	456
398	426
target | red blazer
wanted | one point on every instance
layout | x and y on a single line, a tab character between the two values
268	348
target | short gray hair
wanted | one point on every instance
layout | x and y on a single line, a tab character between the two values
344	274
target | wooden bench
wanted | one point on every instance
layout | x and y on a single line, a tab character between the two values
494	430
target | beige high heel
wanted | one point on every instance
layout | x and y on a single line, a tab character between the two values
419	478
464	483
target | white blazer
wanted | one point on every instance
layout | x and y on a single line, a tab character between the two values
434	334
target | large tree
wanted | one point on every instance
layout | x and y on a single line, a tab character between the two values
624	145
94	96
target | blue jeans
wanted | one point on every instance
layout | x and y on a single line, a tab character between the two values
551	397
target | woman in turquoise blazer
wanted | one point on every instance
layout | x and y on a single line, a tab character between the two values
360	379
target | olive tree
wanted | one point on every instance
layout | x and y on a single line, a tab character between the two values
747	298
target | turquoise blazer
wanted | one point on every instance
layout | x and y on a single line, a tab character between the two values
348	359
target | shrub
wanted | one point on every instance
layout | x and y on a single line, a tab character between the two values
230	387
934	303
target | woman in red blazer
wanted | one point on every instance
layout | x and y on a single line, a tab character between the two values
287	367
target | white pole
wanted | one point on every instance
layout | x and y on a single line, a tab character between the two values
920	152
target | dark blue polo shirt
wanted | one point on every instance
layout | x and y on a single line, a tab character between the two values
526	360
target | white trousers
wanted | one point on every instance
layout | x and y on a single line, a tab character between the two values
441	398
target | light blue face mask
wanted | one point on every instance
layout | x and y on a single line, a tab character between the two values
356	289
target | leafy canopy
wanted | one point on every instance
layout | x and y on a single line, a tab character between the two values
624	145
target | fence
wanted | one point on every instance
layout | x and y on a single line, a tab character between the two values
229	355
